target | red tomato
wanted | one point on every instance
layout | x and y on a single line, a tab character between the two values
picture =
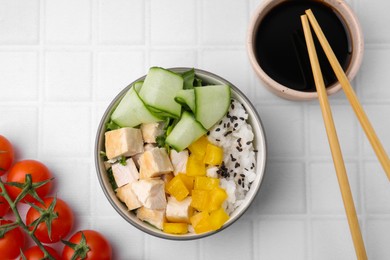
6	155
4	206
60	226
35	253
100	248
12	242
39	172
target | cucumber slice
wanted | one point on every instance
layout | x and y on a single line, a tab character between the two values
131	111
186	97
185	132
211	104
159	90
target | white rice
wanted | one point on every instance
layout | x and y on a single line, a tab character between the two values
234	134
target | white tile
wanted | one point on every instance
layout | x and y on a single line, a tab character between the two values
68	76
68	22
232	65
116	70
283	189
19	21
173	22
19	76
374	74
377	188
121	22
324	188
66	130
331	239
281	239
235	242
378	237
379	118
346	127
100	204
19	124
283	127
226	26
374	20
176	58
163	249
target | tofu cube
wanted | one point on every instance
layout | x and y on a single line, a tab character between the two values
179	211
155	217
125	141
126	194
179	161
151	193
124	174
154	163
151	130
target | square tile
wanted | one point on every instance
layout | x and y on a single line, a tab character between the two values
19	124
117	26
281	239
68	76
19	76
324	188
283	189
284	127
377	238
100	204
379	118
331	239
374	74
235	242
173	22
19	21
374	20
68	22
116	70
173	58
232	65
66	131
377	189
228	26
346	127
163	249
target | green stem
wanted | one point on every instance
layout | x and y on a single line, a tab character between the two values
20	222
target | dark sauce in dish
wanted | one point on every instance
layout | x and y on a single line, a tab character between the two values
280	46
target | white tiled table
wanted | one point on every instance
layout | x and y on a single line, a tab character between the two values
61	62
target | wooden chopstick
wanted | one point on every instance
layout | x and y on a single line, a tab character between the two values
350	94
334	144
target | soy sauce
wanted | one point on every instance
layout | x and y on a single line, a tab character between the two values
281	48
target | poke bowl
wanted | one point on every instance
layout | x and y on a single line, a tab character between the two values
160	186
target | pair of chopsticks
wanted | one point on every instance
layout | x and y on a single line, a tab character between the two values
330	128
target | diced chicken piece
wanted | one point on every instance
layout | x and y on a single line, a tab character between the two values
179	161
151	193
124	174
179	211
154	217
126	194
148	147
151	130
167	177
212	172
154	163
125	141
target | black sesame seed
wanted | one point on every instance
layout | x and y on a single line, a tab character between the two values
218	129
243	185
239	181
228	115
246	169
242	175
234	175
255	151
239	140
220	122
227	133
234	117
248	143
232	106
236	124
243	119
228	125
217	140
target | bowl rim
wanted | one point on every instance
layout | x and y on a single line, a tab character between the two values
260	165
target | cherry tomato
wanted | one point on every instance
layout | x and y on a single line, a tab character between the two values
35	253
12	242
4	206
60	225
6	155
99	247
39	172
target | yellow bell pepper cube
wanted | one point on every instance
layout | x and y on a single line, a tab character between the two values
200	222
205	183
198	148
188	181
200	200
175	228
195	167
177	188
216	197
213	155
218	218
